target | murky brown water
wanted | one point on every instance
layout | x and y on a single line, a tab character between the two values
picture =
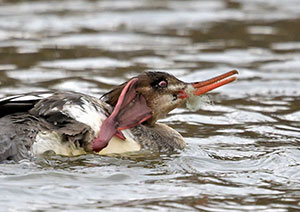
242	152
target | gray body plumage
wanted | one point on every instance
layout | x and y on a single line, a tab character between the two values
73	118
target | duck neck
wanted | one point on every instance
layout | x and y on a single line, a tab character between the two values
158	137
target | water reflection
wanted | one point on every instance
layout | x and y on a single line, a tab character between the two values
242	152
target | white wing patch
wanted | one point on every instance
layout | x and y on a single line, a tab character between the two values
85	113
32	97
25	97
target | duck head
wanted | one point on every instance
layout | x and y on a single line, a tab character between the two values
148	97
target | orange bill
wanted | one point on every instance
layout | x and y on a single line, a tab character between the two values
213	83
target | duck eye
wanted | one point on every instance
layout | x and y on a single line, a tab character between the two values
163	84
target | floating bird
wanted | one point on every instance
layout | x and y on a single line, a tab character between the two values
122	120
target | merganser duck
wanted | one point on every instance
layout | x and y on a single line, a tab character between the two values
122	120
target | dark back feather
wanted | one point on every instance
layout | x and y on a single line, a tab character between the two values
20	103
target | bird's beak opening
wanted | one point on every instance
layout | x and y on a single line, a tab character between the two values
202	87
213	83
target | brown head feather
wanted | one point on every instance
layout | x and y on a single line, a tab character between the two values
161	99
